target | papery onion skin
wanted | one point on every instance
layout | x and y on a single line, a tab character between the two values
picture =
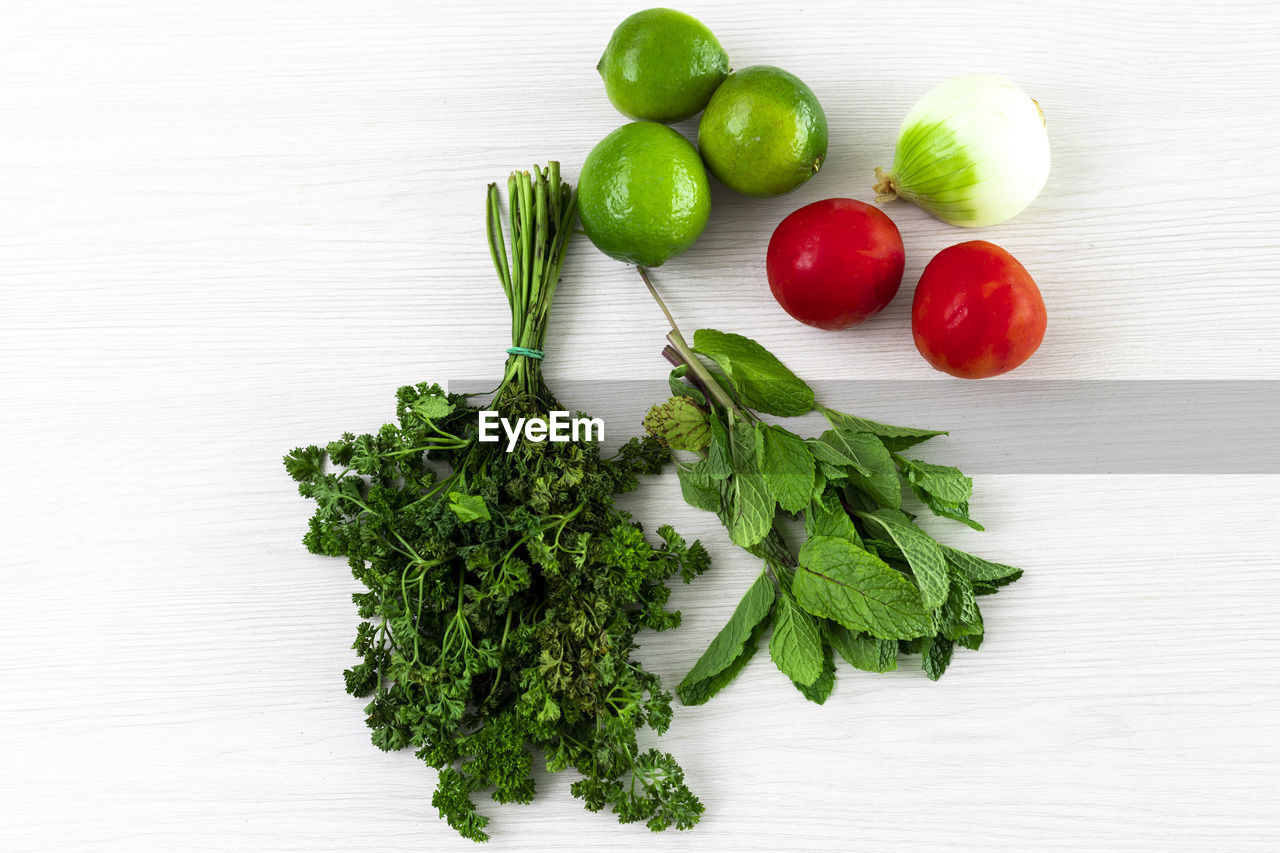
973	152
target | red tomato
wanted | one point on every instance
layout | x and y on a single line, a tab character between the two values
977	312
834	263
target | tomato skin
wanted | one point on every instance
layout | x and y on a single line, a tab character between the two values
835	263
977	312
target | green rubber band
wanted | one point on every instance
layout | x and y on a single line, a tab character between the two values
527	352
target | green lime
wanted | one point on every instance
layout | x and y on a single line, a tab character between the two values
662	65
643	195
764	133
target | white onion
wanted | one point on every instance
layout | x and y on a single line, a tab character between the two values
972	152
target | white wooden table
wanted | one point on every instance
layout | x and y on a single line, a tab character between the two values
229	228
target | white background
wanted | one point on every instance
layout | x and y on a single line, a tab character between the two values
228	228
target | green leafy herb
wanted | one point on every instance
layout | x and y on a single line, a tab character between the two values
921	553
697	486
796	645
894	438
503	590
867	583
943	489
820	688
680	423
862	650
468	507
788	468
761	381
732	647
843	583
978	569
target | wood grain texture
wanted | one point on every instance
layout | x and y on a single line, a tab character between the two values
230	228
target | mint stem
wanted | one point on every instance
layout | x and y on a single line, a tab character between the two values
705	381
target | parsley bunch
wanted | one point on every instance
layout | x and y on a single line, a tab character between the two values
867	584
503	591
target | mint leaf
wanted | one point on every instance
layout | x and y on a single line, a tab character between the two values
893	437
750	509
684	389
828	450
732	647
772	548
749	503
748	444
468	507
697	487
887	551
921	552
941	488
882	484
861	651
795	646
830	519
957	512
700	692
818	495
978	569
761	381
788	468
840	581
947	484
831	473
820	689
872	467
937	654
679	424
719	460
960	616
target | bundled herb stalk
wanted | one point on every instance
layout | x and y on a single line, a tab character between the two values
867	584
503	590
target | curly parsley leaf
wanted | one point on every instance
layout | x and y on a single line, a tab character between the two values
305	464
468	507
503	591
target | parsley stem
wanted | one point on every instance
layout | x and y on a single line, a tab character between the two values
541	213
502	646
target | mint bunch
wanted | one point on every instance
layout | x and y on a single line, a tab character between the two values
867	584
